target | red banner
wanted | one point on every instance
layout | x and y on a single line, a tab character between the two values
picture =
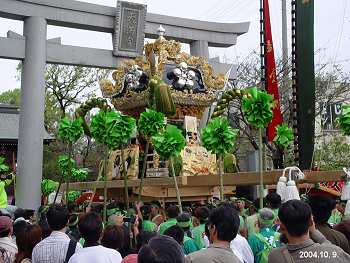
270	70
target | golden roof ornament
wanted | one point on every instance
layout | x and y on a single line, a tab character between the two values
190	80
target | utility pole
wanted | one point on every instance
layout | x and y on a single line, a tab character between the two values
284	44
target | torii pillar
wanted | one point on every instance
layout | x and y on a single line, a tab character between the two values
31	132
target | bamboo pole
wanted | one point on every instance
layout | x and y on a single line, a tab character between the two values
144	166
100	174
175	183
58	188
70	153
125	172
221	178
261	178
105	187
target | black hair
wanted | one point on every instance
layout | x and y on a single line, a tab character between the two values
161	249
97	208
295	215
113	237
202	213
226	222
5	232
57	217
90	227
256	203
273	200
176	233
45	228
19	226
155	203
28	213
146	211
185	217
19	212
172	211
143	238
321	207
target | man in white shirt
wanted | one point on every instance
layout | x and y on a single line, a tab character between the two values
90	227
54	249
8	248
242	249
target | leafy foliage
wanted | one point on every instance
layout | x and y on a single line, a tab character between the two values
344	119
65	164
48	186
177	162
112	128
79	174
218	137
151	122
169	143
3	166
257	108
230	163
12	97
333	155
73	196
70	131
284	136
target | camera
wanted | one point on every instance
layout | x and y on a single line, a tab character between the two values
5	176
129	219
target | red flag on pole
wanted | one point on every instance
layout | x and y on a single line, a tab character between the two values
270	74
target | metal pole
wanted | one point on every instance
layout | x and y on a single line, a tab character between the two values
31	121
262	47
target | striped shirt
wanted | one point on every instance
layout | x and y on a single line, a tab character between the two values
8	249
52	249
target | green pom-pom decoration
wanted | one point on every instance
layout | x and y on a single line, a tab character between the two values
79	174
218	137
73	196
48	186
257	107
169	143
65	164
151	122
344	119
284	136
3	166
70	131
112	128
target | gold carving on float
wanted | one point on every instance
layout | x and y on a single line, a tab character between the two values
157	55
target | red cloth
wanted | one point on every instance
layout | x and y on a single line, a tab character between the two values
271	79
132	258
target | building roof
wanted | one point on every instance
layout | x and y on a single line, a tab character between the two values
9	123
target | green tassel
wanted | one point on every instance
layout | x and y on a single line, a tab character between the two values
163	100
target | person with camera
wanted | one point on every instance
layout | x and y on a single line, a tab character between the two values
5	180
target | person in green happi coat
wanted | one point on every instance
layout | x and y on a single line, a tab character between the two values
198	232
184	221
172	212
147	224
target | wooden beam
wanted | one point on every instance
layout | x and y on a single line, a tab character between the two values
235	179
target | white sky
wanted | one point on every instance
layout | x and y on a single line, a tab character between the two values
332	29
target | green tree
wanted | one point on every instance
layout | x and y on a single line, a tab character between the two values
12	97
333	155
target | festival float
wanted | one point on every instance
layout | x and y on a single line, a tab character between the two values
154	146
168	90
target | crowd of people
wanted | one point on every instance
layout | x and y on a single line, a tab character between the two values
235	232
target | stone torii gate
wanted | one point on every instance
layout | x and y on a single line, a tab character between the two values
35	51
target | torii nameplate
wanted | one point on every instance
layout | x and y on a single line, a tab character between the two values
129	30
